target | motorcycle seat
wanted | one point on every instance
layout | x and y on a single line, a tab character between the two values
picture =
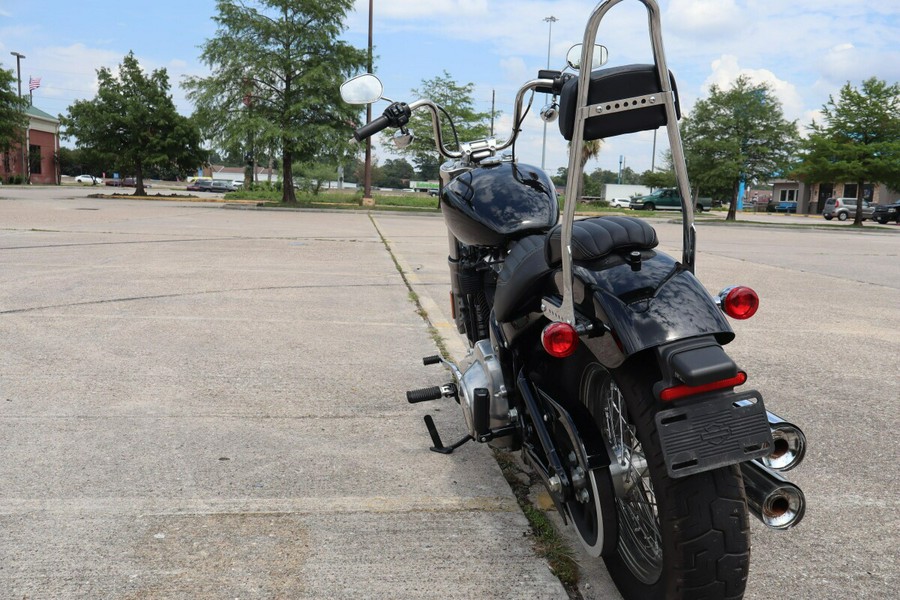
520	284
596	237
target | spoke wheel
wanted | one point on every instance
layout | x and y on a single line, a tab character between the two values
677	538
640	540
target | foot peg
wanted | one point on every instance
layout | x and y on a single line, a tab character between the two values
431	393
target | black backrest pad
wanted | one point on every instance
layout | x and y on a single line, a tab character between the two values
609	85
598	236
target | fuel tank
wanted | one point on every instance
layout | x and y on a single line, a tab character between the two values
492	204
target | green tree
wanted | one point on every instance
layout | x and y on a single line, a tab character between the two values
458	102
276	68
133	122
76	161
12	112
395	173
660	178
312	177
858	141
735	135
562	175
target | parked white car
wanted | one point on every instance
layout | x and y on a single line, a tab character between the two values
619	202
88	179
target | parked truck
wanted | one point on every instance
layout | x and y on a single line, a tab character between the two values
432	187
667	199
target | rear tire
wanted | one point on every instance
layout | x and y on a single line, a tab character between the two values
678	538
842	216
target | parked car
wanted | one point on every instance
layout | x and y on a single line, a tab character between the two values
201	184
619	202
127	182
786	207
887	212
221	185
845	208
666	199
88	179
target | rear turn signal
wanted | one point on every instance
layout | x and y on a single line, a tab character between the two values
683	391
738	302
559	339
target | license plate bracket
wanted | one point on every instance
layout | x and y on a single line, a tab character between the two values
713	432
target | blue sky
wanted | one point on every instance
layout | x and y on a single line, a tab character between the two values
806	49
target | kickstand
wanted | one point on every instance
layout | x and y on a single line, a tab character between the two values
436	438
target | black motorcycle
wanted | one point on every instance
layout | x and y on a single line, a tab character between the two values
598	356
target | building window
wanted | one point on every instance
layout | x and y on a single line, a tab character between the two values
34	159
788	195
850	191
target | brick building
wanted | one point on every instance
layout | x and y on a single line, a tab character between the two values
42	149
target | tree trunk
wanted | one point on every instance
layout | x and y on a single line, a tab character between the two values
857	218
732	208
287	178
139	180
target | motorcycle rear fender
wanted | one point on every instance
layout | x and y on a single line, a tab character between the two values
659	303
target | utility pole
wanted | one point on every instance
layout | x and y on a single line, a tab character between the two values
19	58
550	20
367	184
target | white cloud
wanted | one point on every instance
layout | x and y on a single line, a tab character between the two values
410	10
726	70
706	18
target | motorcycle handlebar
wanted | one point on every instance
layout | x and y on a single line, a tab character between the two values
370	129
397	114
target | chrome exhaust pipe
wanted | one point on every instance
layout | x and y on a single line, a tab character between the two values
772	499
790	444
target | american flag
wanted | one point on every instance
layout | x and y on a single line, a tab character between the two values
34	83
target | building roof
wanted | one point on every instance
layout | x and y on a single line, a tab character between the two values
37	113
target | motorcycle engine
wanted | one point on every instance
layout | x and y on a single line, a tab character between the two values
481	369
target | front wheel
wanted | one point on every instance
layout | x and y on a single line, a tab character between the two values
649	206
678	538
699	208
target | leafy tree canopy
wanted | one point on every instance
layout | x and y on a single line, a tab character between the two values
277	66
395	173
133	122
859	139
735	135
457	100
12	111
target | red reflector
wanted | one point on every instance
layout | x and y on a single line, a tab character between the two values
683	391
740	302
559	339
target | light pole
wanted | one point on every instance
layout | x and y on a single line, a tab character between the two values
19	56
367	175
549	20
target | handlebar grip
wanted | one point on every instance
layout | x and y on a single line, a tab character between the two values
546	74
370	129
559	79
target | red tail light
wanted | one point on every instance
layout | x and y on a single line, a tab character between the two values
739	302
683	391
559	339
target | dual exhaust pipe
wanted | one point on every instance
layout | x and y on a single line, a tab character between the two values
775	501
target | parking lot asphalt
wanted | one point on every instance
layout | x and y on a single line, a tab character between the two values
208	403
202	403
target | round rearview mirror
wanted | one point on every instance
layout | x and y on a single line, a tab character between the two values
362	89
599	58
